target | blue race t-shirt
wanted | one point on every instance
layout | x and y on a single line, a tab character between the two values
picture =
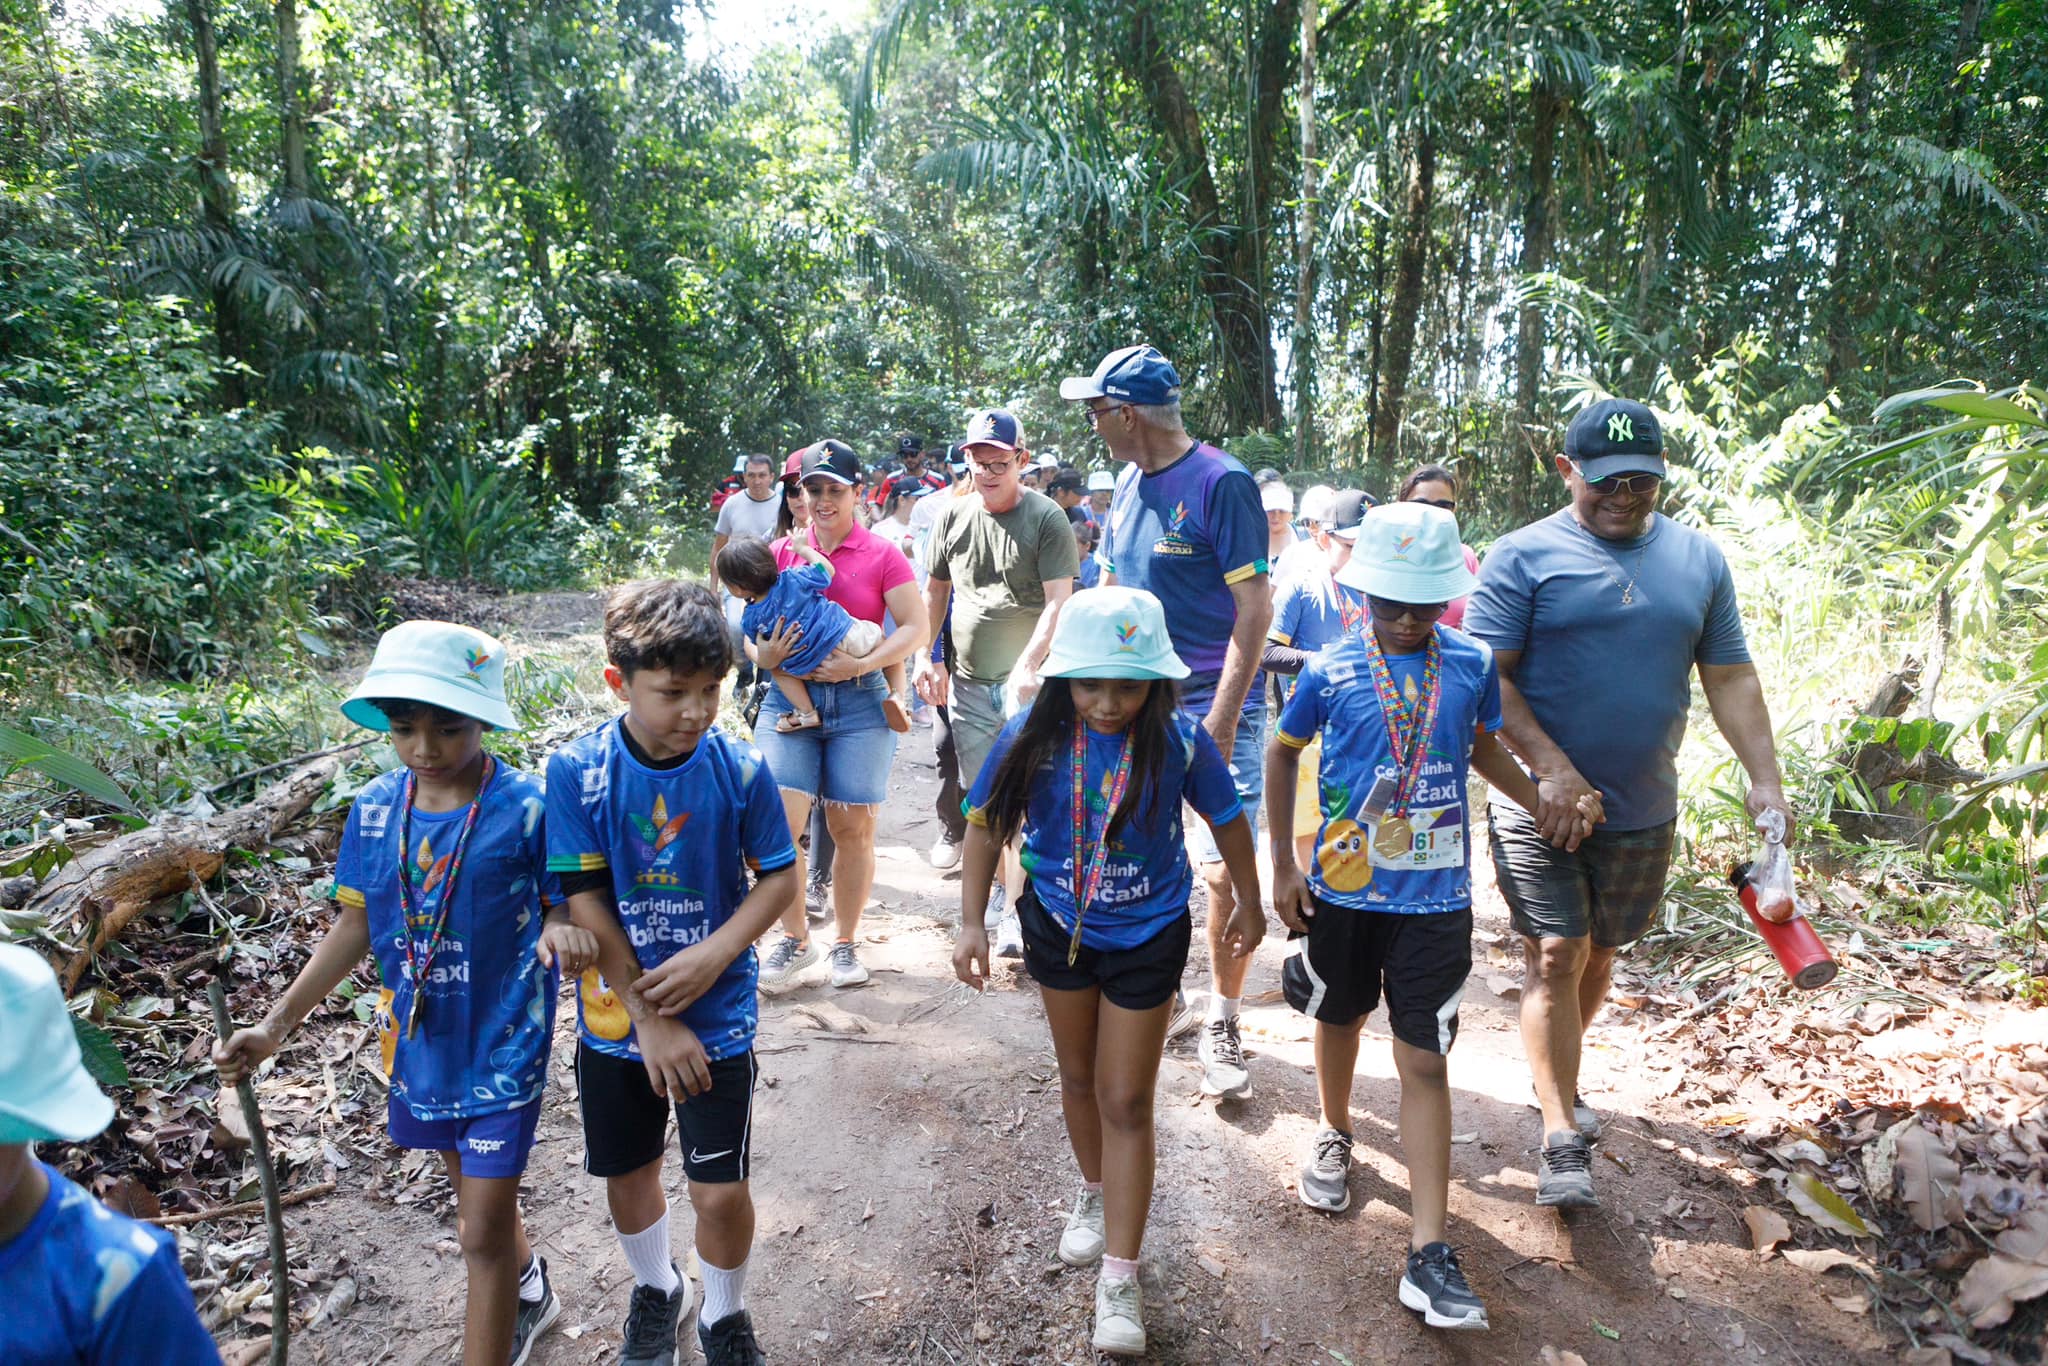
1185	534
678	843
798	598
1610	682
1313	610
489	1017
1335	695
1146	877
85	1286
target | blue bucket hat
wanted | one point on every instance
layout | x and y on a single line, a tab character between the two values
1136	374
1112	632
1408	552
455	668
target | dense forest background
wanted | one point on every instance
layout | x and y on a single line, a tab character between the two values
298	302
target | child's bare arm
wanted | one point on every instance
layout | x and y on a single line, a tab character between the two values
1491	761
677	982
336	957
1247	924
805	552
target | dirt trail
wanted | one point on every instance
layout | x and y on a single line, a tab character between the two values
911	1174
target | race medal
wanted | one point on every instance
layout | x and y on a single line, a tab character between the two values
1395	838
1409	726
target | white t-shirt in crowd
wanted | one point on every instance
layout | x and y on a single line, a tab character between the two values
740	515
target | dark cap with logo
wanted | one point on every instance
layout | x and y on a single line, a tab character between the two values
830	459
909	445
1347	510
993	427
1136	374
1615	436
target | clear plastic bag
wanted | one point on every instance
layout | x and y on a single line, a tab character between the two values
1771	873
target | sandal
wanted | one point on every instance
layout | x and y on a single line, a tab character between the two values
897	715
791	722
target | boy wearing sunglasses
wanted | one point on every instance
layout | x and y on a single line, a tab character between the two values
1403	707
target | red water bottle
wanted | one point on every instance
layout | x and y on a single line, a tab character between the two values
1805	959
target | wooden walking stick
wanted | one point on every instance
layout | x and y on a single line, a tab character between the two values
273	1212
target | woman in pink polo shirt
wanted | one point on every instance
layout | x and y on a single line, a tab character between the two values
843	762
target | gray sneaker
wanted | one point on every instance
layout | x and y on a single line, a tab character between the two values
1326	1181
1564	1172
818	895
534	1317
1584	1119
789	957
1222	1052
846	966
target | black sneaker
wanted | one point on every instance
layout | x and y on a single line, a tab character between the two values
534	1317
1435	1284
730	1342
651	1324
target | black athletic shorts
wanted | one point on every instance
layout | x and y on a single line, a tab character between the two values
625	1124
1140	978
1336	972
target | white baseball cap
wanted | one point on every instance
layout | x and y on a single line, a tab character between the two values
1102	481
46	1095
1276	497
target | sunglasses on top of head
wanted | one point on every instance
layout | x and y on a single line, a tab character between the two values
1386	609
1620	483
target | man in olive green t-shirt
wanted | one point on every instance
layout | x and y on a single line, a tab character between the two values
1003	559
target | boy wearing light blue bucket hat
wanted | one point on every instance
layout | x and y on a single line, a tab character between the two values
443	875
1092	777
79	1282
1404	707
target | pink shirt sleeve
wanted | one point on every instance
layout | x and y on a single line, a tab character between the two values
1454	615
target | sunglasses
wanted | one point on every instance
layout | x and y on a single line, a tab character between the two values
1096	415
1620	483
1386	609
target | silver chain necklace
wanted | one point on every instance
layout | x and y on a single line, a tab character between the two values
1606	562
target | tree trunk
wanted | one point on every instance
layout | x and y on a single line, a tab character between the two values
1968	26
1843	360
1407	305
1546	112
216	191
1305	253
1231	269
291	98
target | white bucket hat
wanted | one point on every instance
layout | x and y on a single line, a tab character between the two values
46	1095
455	668
1408	552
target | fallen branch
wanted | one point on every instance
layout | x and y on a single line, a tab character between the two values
113	884
242	1209
273	1211
241	778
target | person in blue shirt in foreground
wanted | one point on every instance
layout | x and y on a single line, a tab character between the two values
81	1285
1093	776
1404	706
443	875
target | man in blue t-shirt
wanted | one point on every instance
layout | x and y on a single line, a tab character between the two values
1598	616
1185	525
80	1282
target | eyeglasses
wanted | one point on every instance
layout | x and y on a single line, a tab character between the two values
1447	504
1386	609
1620	483
1096	415
994	469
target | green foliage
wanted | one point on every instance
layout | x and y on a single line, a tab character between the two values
102	1057
19	749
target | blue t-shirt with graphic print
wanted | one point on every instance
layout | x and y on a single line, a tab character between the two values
678	843
489	1016
1185	534
88	1286
1311	611
1146	877
1335	695
798	598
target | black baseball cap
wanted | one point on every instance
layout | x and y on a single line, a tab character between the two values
1615	436
908	486
830	459
1067	481
909	445
1347	510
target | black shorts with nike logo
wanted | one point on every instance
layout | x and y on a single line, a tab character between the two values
625	1124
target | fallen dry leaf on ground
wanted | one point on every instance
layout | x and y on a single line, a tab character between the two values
1924	1177
1812	1197
2017	1271
1767	1228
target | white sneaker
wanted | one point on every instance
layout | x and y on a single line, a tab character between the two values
1009	940
789	957
1223	1071
846	967
1184	1018
1082	1241
1119	1317
945	855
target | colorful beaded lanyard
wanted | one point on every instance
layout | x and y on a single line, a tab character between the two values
1086	888
1396	835
420	961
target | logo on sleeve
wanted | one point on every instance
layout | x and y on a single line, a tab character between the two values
594	783
373	819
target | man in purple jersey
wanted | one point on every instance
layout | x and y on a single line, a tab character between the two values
1185	525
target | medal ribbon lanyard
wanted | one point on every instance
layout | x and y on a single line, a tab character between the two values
1418	721
1086	888
419	960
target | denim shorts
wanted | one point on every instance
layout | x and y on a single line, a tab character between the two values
845	759
1247	759
487	1146
1608	888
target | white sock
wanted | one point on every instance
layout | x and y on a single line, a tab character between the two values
725	1292
647	1252
1222	1007
530	1285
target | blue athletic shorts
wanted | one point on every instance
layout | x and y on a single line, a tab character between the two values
486	1145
